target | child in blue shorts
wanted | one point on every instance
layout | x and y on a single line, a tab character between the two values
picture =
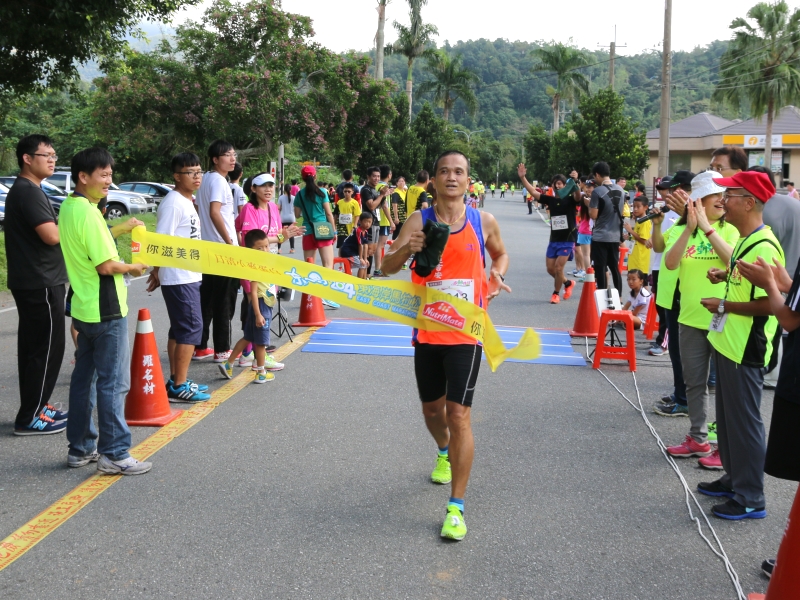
259	315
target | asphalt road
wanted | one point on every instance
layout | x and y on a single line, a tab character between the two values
317	485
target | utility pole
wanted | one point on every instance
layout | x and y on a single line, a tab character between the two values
666	92
613	49
281	152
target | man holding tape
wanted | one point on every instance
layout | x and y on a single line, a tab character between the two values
446	363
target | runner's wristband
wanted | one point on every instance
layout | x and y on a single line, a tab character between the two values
708	233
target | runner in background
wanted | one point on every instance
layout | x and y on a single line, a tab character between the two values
399	213
446	363
385	218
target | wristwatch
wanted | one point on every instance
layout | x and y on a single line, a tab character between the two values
721	307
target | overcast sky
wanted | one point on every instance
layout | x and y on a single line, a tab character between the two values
351	24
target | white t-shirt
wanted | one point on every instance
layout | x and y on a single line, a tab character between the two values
655	257
286	204
239	199
642	299
215	188
176	216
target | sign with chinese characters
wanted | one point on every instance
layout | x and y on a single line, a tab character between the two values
760	141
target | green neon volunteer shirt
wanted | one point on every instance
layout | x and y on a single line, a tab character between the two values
748	340
86	243
668	279
697	259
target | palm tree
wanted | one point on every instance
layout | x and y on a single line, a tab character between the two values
564	61
379	39
760	67
413	42
451	82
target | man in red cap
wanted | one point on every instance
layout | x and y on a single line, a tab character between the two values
742	332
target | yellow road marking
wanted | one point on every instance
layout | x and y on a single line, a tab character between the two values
35	530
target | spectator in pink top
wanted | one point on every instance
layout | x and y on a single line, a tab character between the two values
295	187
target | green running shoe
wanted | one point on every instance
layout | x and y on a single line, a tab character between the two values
712	433
454	527
441	473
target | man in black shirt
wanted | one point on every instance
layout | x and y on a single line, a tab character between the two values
37	278
371	200
563	229
348	178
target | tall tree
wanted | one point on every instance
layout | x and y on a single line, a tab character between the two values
413	42
760	67
42	43
564	61
433	133
379	39
451	82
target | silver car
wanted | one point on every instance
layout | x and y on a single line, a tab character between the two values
120	203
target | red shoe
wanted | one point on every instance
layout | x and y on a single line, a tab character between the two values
569	286
689	448
711	462
201	354
555	299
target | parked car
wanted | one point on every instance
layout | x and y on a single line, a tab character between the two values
120	203
155	190
54	193
3	194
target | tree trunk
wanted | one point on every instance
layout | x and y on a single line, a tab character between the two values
379	40
409	86
446	109
768	141
556	106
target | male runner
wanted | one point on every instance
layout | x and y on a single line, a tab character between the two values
446	363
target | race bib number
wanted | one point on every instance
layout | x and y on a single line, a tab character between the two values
718	322
559	222
463	289
345	219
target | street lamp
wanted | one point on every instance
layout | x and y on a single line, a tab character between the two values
469	134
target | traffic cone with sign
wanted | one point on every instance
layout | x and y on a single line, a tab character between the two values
312	314
586	320
147	404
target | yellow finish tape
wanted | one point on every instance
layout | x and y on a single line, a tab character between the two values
400	301
35	530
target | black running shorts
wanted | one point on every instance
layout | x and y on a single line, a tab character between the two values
449	371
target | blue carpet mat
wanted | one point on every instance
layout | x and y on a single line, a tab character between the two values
382	338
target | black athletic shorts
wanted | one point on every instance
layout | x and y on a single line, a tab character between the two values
449	371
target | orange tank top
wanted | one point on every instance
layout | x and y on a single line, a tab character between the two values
460	273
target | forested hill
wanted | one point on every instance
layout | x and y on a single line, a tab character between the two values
510	96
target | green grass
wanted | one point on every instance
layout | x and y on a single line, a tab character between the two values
123	244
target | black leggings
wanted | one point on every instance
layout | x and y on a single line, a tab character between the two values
605	255
291	239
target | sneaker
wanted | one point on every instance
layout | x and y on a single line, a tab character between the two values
186	392
733	511
270	364
712	433
711	462
263	376
767	567
715	489
55	412
670	409
689	448
657	350
200	386
554	299
126	466
569	287
202	354
80	461
454	527
221	357
246	360
441	472
574	272
580	274
330	304
42	425
226	369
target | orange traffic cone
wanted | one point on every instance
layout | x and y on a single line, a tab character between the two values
784	583
587	321
312	314
147	404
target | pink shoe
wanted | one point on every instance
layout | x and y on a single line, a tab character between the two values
711	462
221	357
689	448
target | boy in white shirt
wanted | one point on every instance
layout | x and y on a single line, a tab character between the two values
181	289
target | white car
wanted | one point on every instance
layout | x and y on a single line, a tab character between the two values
120	203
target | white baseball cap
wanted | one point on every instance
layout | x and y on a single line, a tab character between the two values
703	185
263	179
